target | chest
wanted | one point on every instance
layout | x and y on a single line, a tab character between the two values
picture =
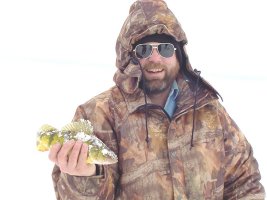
192	162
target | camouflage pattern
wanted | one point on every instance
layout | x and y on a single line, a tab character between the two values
219	165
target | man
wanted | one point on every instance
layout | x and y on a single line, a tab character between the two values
173	138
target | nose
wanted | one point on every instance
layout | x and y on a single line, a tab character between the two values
155	57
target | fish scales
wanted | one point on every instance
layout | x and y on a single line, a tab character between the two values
98	152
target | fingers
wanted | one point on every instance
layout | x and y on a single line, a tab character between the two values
63	155
74	155
83	168
71	158
83	155
53	152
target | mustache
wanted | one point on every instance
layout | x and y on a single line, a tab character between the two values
151	65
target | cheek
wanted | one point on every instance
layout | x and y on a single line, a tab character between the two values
142	62
172	61
174	68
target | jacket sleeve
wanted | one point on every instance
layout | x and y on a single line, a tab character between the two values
101	186
242	176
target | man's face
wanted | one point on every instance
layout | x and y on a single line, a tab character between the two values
159	72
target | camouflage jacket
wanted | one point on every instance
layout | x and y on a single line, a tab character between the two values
215	161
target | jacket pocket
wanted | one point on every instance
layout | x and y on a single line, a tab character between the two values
203	165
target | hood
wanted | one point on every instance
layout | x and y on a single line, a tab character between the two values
146	17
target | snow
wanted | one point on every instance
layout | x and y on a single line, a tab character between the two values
52	59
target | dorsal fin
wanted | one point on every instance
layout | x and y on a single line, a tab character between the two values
79	126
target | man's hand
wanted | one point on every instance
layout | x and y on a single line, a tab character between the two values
71	158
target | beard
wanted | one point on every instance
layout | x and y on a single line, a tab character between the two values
156	86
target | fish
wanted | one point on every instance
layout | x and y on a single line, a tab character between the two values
98	152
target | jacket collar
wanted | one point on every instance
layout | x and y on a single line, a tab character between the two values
185	100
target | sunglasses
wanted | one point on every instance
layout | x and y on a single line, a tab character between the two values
166	50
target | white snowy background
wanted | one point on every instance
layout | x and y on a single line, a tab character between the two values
55	55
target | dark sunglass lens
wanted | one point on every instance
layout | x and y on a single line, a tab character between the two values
143	50
166	50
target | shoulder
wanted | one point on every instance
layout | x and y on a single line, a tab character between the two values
97	102
101	103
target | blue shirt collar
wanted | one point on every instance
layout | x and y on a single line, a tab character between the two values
170	104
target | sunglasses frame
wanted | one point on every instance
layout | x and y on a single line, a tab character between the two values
154	46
